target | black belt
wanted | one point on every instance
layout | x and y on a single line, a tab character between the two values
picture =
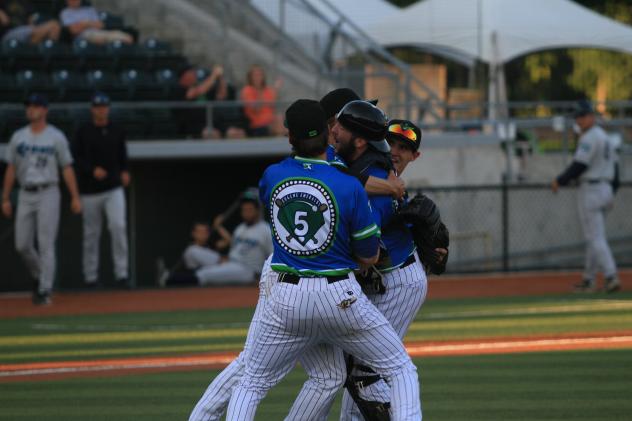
409	261
593	181
36	187
290	278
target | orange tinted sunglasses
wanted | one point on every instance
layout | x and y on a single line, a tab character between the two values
405	131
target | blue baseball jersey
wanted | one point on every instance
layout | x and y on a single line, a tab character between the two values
396	238
319	217
333	158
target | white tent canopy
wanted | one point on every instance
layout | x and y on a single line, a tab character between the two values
496	31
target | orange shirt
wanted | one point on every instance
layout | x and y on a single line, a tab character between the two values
259	115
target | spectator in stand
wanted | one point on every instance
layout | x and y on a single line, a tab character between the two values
227	121
259	102
18	20
83	22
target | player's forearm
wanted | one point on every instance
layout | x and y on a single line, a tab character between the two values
378	186
71	181
7	184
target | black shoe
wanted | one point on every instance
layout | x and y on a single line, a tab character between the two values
123	283
586	285
92	285
41	298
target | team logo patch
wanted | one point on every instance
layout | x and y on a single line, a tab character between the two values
303	215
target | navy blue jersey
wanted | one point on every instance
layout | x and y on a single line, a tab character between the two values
319	217
396	238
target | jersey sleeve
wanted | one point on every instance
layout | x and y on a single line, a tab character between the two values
62	149
263	190
10	152
364	231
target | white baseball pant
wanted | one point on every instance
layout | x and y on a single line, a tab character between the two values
594	200
38	214
112	204
297	317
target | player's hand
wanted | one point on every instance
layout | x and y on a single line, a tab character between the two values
555	186
7	208
99	173
397	185
75	205
125	178
441	254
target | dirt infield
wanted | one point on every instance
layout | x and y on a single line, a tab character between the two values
115	367
99	302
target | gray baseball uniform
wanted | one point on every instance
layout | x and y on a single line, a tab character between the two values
36	157
595	198
250	247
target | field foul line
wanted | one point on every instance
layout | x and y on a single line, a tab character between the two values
415	350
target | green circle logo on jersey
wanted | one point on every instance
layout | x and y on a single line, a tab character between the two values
303	214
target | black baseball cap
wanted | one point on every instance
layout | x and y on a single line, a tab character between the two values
305	119
36	99
100	99
583	107
333	101
405	131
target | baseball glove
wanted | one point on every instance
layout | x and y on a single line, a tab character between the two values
429	233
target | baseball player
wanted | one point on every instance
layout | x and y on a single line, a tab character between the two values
100	154
34	154
403	288
594	166
214	401
250	245
316	299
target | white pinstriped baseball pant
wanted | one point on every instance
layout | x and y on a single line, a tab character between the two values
297	317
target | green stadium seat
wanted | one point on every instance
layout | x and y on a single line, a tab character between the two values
100	80
10	91
91	56
111	21
160	124
57	56
31	81
125	56
168	81
141	86
20	56
70	86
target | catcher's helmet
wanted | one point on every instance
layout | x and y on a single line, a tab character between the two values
366	121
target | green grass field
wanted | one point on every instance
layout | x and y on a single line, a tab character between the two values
578	385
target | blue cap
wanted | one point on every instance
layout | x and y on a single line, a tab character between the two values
100	99
583	107
36	99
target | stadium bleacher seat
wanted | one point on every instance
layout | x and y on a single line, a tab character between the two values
125	56
100	80
168	81
132	121
31	81
161	124
70	86
18	55
63	120
57	56
141	86
111	21
91	56
159	55
10	91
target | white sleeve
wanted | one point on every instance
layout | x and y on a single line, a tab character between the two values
9	156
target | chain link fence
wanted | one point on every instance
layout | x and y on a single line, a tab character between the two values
524	227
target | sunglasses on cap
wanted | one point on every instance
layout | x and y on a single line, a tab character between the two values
403	130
